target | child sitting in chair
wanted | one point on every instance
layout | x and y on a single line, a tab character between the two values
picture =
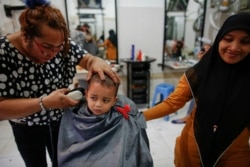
108	131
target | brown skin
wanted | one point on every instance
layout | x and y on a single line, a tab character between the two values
234	46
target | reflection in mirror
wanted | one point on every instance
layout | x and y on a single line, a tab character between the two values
175	28
183	24
89	3
98	17
176	24
176	5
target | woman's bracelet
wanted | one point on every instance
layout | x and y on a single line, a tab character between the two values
41	103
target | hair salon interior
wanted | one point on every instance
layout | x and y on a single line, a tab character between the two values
145	31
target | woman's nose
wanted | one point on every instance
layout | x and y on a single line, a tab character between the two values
235	46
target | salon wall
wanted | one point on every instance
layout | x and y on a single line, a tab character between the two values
141	22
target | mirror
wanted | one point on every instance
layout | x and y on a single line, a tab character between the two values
175	19
184	23
100	17
175	26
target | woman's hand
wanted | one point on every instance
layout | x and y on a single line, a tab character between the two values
58	99
27	106
97	65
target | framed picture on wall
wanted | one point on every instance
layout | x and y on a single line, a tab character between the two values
89	3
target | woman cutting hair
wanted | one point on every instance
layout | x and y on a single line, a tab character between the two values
37	65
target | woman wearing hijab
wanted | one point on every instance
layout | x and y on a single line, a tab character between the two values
217	132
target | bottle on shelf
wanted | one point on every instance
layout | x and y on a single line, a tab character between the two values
133	52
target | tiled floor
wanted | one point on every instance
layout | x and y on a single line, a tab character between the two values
161	133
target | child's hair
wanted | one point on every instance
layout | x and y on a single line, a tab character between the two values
108	82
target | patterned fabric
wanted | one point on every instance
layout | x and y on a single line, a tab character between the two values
22	78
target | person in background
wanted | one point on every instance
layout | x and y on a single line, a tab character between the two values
173	48
217	132
203	50
86	29
109	128
37	65
78	36
88	43
177	49
101	38
201	53
111	46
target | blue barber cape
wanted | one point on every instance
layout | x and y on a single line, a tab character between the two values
111	140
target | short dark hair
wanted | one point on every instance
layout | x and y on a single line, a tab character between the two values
108	82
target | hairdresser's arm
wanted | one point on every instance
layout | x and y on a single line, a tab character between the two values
97	65
13	108
173	103
18	108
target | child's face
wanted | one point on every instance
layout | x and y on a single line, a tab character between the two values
100	98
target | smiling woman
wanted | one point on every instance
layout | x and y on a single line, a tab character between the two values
217	132
234	46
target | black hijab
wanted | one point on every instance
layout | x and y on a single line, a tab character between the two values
112	37
222	94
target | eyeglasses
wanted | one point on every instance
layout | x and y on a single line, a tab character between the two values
49	49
